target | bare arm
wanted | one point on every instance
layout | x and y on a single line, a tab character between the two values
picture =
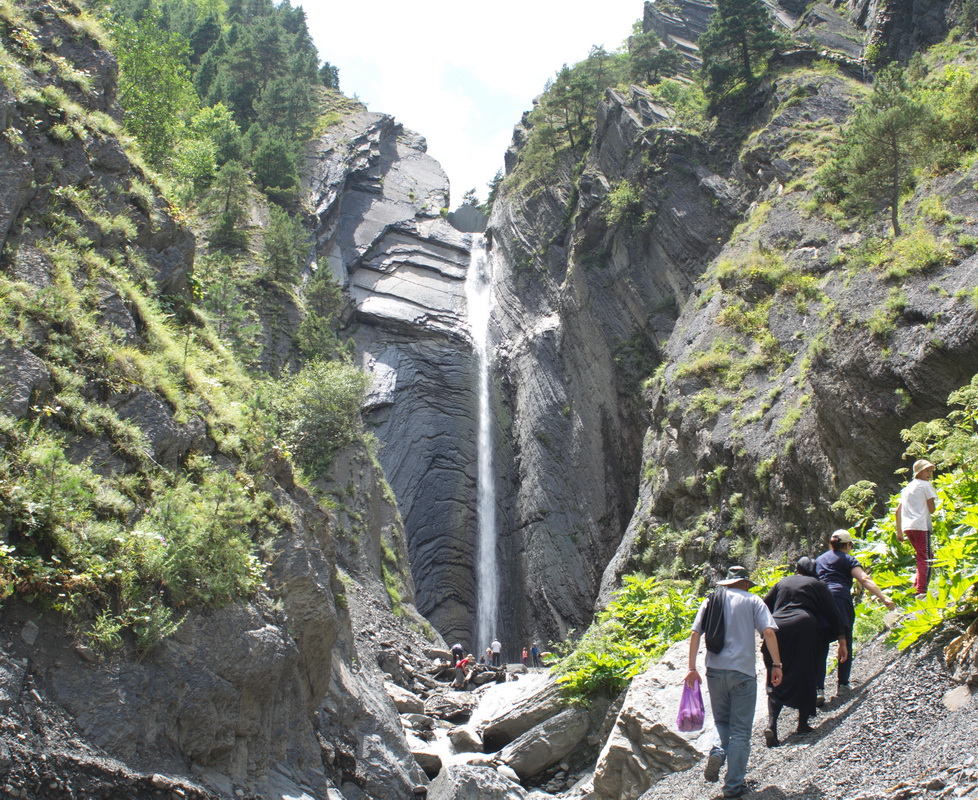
899	523
931	504
870	586
771	640
694	647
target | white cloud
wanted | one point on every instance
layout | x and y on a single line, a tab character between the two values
461	73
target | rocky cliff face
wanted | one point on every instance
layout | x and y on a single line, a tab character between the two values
586	305
280	695
379	199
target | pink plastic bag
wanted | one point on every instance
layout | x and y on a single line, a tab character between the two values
691	709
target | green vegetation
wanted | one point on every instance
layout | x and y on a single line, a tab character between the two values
952	444
208	83
738	41
645	617
100	523
914	120
317	411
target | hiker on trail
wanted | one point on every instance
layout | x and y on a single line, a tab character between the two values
458	652
526	657
799	604
496	648
917	502
836	568
535	655
731	677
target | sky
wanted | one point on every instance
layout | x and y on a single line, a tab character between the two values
461	73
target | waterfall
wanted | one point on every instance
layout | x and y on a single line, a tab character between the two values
478	295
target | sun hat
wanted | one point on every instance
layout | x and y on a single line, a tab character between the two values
735	575
842	536
920	465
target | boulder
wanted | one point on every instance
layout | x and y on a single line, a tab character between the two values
390	664
466	782
23	376
426	755
465	739
404	701
456	707
523	714
155	419
547	743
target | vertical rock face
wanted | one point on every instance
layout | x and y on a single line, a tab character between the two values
583	319
379	197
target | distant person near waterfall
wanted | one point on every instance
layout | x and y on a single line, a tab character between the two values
913	520
837	568
496	648
535	655
731	676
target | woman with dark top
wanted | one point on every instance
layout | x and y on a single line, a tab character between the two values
801	605
837	568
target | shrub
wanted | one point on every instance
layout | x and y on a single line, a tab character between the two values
317	411
645	617
952	444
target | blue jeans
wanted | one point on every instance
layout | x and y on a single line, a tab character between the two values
733	697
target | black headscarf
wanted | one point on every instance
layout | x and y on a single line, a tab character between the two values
805	566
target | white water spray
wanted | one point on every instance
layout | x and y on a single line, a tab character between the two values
478	294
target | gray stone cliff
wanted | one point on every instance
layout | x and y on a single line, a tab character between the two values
279	695
378	200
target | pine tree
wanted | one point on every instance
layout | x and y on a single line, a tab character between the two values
284	247
887	139
739	37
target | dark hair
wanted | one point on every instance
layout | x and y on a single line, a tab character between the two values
805	566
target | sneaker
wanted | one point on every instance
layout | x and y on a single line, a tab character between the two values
820	699
771	737
712	770
844	690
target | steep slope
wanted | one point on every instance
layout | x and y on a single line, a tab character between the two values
706	254
181	617
379	201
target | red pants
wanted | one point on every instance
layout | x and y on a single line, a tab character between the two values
921	547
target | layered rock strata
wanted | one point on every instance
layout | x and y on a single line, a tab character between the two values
379	199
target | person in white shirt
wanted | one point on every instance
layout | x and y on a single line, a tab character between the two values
496	648
917	502
731	676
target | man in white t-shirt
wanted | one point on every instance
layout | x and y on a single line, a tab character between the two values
731	677
917	502
496	648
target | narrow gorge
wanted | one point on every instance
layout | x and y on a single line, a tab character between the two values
662	353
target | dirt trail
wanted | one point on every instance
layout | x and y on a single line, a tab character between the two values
892	737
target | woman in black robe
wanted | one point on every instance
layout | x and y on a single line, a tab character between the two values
802	606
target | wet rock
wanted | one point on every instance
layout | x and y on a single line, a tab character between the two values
547	743
465	782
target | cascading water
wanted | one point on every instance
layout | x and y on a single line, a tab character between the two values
478	295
